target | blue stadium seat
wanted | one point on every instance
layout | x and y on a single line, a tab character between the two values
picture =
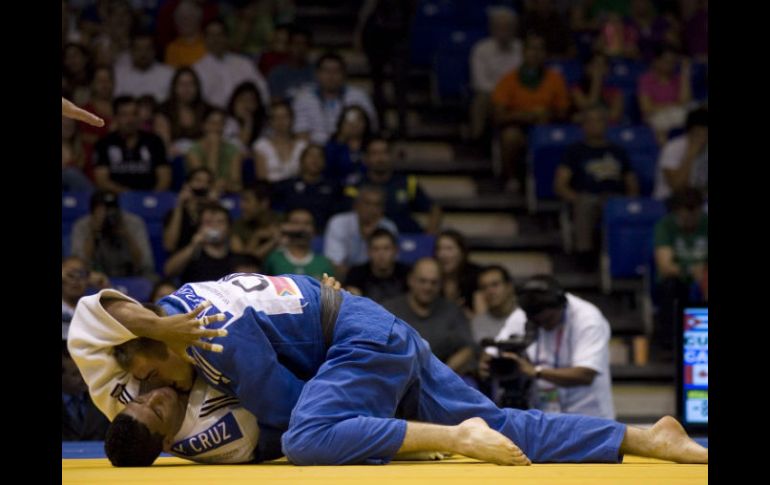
135	287
233	204
641	145
547	145
432	21
412	247
178	173
74	205
150	206
629	229
451	66
624	74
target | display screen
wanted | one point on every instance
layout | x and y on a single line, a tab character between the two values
695	366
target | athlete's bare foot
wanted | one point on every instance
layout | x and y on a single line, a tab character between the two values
670	442
477	440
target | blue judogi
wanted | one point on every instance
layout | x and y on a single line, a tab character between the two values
377	368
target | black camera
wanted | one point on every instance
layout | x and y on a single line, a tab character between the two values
505	368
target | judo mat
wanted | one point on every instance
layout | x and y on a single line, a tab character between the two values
84	463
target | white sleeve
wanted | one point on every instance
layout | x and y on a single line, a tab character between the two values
591	342
93	333
671	155
480	80
514	325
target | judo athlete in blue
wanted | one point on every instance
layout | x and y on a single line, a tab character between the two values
340	380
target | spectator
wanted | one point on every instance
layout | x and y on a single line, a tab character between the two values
681	260
208	256
404	194
257	231
180	119
128	158
593	89
143	74
347	233
592	171
181	223
617	38
569	358
651	28
496	286
112	45
80	418
147	109
382	277
277	52
162	288
459	275
221	71
100	104
165	24
318	107
290	76
345	149
664	94
696	32
112	241
73	158
542	19
277	153
296	256
217	154
530	95
491	59
251	26
245	263
246	117
382	32
77	72
684	160
310	190
75	280
438	320
188	47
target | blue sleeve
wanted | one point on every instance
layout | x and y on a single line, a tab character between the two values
248	367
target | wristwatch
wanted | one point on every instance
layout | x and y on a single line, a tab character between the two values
538	371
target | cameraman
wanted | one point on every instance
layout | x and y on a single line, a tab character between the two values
295	255
111	240
569	357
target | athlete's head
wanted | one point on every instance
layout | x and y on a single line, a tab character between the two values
152	363
145	428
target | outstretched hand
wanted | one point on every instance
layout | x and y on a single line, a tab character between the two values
181	331
70	110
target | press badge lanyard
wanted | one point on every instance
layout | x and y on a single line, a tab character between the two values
559	336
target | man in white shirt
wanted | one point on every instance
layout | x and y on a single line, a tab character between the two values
221	71
143	75
317	108
347	233
569	358
491	59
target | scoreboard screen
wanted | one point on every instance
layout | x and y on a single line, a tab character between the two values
694	365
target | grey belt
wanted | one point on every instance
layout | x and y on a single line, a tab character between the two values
331	300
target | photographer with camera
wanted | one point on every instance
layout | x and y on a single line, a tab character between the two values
208	256
295	255
181	223
565	351
112	241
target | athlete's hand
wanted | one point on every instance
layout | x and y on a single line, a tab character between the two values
69	110
330	282
181	331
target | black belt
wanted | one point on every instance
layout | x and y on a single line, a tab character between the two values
331	300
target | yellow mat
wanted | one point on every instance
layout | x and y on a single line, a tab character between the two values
456	470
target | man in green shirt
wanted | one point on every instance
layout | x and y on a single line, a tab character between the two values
681	259
295	255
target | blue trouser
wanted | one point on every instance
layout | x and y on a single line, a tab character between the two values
345	413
